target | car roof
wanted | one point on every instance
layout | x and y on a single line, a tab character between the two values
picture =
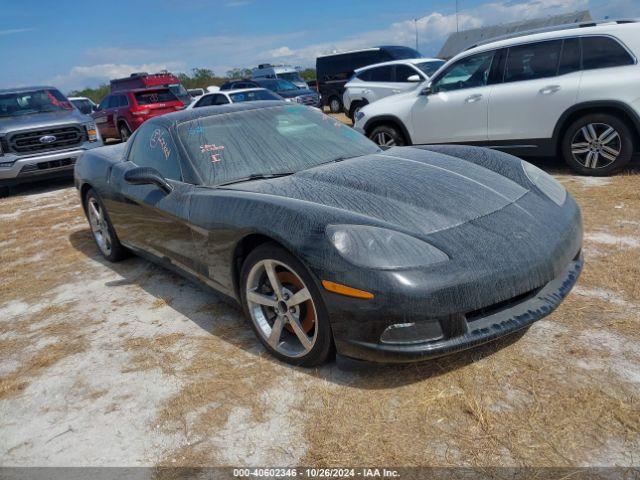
77	98
607	28
26	89
235	90
186	115
412	61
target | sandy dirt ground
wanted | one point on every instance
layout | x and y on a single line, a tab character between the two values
127	364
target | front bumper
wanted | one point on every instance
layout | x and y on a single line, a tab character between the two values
469	333
43	165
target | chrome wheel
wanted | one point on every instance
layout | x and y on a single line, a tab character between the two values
281	308
124	133
384	139
99	226
334	105
596	145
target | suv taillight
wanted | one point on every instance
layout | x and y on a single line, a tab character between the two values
144	111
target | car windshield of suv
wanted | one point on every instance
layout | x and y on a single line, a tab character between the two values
278	85
268	141
36	101
290	76
149	97
253	95
429	68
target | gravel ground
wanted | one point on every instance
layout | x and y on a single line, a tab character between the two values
127	364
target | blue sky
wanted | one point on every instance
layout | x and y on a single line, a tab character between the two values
71	45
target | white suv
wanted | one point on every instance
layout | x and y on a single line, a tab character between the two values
573	92
380	80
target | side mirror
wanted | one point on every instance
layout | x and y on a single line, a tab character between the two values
414	78
426	90
147	176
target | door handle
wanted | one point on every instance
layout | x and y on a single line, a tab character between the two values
396	90
549	89
473	98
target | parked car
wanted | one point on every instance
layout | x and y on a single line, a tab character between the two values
570	93
140	80
196	92
41	135
282	72
120	114
334	70
283	88
374	82
325	240
234	96
84	104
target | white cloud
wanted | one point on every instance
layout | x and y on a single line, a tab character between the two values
81	76
11	31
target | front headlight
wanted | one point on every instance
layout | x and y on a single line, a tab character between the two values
546	183
92	132
374	247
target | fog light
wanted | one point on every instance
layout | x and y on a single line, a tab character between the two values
409	333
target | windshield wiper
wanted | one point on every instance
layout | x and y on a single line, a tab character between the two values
255	176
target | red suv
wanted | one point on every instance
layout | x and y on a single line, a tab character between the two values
121	113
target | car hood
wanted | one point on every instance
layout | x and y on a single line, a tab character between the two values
405	188
38	120
296	93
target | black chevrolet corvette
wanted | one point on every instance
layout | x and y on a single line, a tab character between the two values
327	241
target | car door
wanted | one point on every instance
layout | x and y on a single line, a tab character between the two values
145	216
455	109
101	117
120	107
379	83
540	82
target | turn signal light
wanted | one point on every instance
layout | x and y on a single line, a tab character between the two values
93	134
347	291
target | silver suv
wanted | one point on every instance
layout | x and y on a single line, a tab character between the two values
41	135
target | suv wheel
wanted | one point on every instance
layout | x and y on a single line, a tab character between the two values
124	131
335	105
597	144
387	136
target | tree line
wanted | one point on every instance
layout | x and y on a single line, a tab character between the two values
198	78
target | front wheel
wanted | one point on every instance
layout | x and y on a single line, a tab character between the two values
285	307
387	136
597	144
102	230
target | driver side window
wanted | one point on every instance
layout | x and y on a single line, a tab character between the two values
469	72
153	147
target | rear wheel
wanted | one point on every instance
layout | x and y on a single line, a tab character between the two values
102	230
387	136
124	132
597	144
285	307
335	105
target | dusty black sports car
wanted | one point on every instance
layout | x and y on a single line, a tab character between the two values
327	241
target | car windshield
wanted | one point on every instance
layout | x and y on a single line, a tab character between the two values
429	68
83	105
253	95
290	76
278	85
268	141
29	102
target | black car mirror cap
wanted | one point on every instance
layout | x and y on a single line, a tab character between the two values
147	176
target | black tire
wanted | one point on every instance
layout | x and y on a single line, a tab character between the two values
584	148
5	191
387	136
286	264
124	132
335	104
115	251
355	108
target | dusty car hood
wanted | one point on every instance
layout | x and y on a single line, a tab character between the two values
37	120
424	194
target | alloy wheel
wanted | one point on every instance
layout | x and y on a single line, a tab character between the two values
335	105
596	145
99	226
124	134
281	308
384	139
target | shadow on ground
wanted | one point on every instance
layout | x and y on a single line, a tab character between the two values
354	374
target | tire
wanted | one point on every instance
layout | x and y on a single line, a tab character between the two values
387	136
124	132
335	105
102	230
355	108
279	323
597	144
5	191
